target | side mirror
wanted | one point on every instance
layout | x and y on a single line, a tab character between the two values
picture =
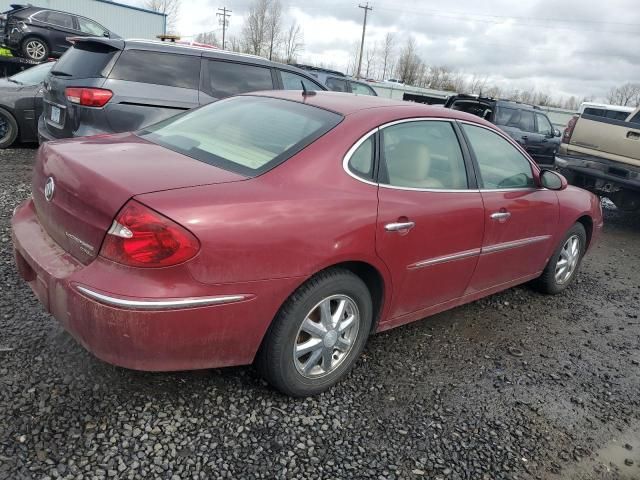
553	180
557	133
106	34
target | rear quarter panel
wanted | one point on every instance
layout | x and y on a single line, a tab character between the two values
606	138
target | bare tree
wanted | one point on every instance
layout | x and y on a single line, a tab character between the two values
208	38
387	53
255	27
370	59
274	25
478	84
234	44
293	42
625	95
408	63
171	8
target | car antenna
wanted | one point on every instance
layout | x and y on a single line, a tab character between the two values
305	92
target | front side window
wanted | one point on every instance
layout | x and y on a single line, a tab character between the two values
228	78
502	166
90	27
158	68
337	84
423	155
293	81
248	135
361	89
544	125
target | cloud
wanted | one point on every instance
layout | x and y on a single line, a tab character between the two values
573	47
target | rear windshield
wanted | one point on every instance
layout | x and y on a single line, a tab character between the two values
248	135
85	60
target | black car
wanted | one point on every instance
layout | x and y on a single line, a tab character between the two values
526	124
21	105
107	86
39	33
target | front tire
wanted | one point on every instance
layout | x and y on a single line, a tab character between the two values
35	49
318	334
565	262
8	129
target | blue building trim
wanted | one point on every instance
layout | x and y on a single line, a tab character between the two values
132	7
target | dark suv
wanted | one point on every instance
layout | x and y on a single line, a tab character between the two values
107	86
39	33
526	124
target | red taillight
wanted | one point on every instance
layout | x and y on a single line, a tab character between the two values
141	237
568	132
88	97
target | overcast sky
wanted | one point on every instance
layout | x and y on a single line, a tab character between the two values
564	47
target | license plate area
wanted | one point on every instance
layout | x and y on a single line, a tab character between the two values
55	115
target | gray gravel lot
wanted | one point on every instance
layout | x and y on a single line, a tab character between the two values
516	386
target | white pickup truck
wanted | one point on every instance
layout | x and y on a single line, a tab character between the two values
602	155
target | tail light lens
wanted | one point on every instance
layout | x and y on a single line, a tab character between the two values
88	97
568	132
141	237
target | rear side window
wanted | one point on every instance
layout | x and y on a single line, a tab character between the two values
248	135
170	69
84	60
228	78
362	89
636	118
58	19
361	161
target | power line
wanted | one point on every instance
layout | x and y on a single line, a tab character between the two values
223	15
366	8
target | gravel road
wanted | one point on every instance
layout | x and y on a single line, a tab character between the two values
516	386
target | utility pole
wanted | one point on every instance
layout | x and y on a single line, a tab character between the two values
364	28
223	14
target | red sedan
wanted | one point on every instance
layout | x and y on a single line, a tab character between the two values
284	228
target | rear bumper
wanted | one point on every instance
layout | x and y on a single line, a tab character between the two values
601	175
202	326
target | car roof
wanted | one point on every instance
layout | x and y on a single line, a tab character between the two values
348	104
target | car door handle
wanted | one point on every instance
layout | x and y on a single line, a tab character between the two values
399	227
501	216
633	136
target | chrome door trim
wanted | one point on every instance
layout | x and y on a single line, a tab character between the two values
499	247
161	304
351	151
446	258
501	216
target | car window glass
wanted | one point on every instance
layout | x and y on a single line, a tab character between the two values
90	27
227	78
158	68
337	84
291	81
423	154
636	118
544	126
520	119
361	89
502	166
85	60
59	19
361	161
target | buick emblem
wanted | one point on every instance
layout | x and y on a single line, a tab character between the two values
49	189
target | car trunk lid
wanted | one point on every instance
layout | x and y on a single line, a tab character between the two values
80	185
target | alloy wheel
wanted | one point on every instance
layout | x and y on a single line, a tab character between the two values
568	260
4	127
326	337
36	50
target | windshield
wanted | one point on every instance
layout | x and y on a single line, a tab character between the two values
248	135
33	75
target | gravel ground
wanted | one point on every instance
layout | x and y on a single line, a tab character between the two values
516	386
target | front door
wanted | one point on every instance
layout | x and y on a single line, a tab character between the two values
430	223
519	217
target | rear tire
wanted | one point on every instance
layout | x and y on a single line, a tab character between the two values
8	129
318	334
565	262
35	49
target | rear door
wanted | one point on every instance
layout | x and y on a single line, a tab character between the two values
60	26
150	86
430	216
519	218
